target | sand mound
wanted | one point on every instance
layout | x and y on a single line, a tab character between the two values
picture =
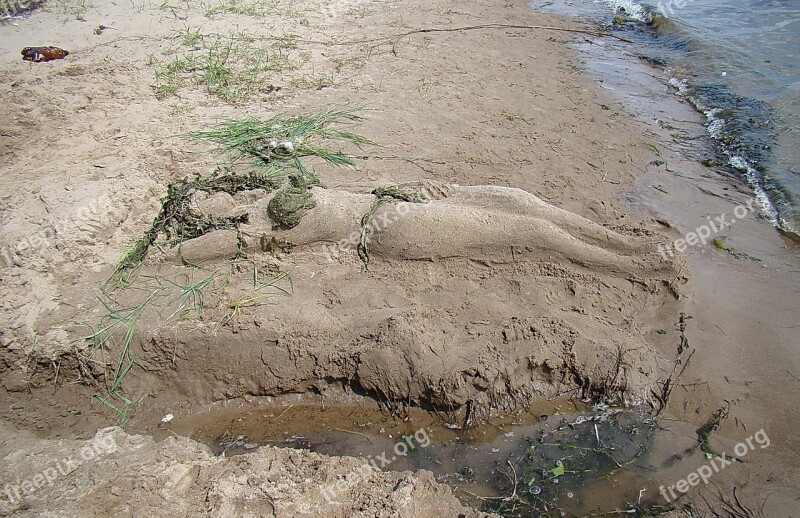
481	295
486	295
115	474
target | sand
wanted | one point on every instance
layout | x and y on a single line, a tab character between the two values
532	275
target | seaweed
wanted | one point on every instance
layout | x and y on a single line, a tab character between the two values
275	148
289	206
397	193
383	195
565	456
178	221
712	425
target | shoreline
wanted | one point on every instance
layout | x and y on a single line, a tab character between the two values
750	136
489	116
732	339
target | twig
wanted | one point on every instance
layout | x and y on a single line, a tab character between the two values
514	494
633	459
686	363
684	343
412	161
354	432
738	503
395	38
115	40
55	381
507	26
479	497
276	419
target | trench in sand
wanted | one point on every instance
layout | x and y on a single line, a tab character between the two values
556	456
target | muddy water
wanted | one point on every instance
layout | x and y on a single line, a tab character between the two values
736	61
556	457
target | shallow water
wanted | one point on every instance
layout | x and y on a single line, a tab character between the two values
737	60
557	458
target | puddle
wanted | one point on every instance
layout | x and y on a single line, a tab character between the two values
558	458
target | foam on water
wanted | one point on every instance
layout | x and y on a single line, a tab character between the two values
752	176
632	9
680	84
716	130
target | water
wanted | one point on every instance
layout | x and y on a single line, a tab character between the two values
739	63
556	458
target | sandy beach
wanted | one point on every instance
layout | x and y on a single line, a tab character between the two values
547	244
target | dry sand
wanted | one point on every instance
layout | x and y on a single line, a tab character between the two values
449	313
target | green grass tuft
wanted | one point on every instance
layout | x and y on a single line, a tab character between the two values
167	296
255	8
259	141
9	8
233	68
